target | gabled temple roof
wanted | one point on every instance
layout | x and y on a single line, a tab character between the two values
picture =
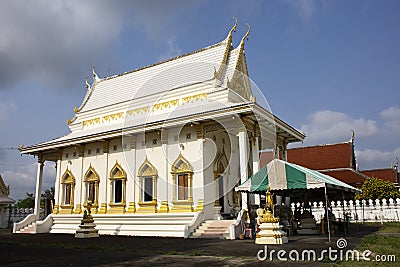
210	82
197	66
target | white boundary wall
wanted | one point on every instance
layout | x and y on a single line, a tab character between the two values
358	210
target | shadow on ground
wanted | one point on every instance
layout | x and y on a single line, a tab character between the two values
65	250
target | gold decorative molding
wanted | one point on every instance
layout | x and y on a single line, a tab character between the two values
131	207
137	111
103	208
181	165
147	207
91	175
165	105
164	208
199	131
78	209
55	209
192	98
117	208
182	206
113	117
200	205
91	122
117	172
147	169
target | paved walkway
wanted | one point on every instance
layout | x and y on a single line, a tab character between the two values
65	250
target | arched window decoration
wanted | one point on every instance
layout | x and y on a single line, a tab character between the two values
68	186
182	173
92	180
118	185
147	174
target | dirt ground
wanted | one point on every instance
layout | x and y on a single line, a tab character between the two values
65	250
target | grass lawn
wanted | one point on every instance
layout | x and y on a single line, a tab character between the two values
382	244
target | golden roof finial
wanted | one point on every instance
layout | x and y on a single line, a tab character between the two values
246	36
87	83
95	76
233	28
76	109
69	121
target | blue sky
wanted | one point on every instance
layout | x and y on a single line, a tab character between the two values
326	67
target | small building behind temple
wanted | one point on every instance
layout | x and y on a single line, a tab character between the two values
4	201
337	160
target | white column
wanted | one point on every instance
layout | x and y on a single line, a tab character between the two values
80	187
164	145
39	178
256	165
58	183
243	159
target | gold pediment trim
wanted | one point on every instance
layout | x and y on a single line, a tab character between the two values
147	169
117	172
68	177
181	164
91	175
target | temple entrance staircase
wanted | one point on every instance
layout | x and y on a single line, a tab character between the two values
29	229
219	229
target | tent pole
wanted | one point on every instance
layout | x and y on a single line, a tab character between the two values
327	215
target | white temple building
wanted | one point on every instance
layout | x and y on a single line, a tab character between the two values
157	151
4	201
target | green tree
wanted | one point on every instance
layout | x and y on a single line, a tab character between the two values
374	188
27	202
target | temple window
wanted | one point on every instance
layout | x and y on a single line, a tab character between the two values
148	180
118	185
182	172
92	180
68	185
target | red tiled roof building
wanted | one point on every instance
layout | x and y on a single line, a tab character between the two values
336	160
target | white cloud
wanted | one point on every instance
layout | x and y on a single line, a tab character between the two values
304	8
5	109
22	179
375	158
391	117
172	50
56	42
331	126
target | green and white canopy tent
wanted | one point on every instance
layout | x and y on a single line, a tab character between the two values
282	175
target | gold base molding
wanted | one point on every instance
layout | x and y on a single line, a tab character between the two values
116	208
182	206
103	208
131	207
67	209
55	209
164	208
200	205
78	209
147	207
